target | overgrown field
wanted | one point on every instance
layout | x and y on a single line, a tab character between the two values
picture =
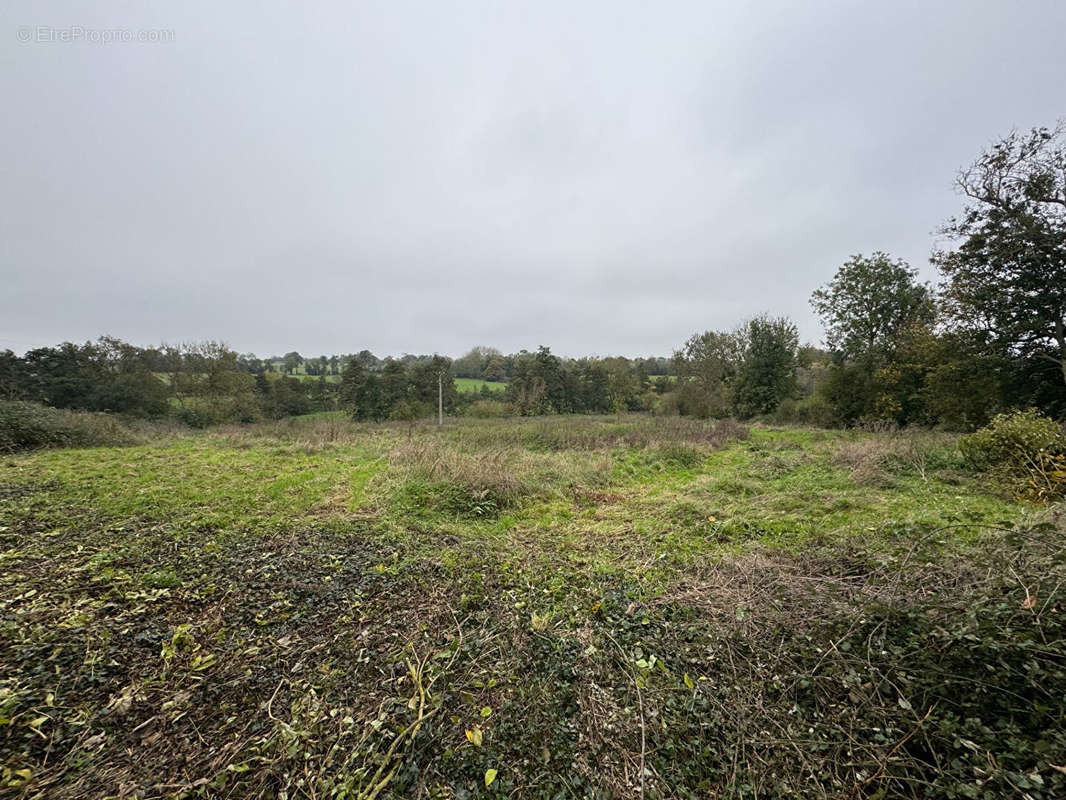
572	607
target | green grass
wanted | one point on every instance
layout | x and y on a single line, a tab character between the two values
318	607
475	384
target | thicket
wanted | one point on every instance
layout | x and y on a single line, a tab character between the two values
25	426
1024	452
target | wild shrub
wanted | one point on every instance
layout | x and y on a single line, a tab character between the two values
26	426
1024	452
814	410
488	409
203	412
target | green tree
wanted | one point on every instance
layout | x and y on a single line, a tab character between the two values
494	370
768	361
541	384
866	310
423	379
13	381
594	392
321	394
966	382
360	392
292	361
473	363
1006	276
706	365
287	398
395	384
868	302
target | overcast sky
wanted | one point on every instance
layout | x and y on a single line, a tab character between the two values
601	177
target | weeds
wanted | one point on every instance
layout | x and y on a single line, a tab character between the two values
598	607
876	460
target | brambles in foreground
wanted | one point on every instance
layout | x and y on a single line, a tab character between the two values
647	606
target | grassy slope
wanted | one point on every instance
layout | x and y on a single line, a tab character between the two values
325	607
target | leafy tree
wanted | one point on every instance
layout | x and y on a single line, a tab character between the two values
360	392
559	390
108	375
594	393
528	394
867	309
1006	278
210	386
966	382
13	382
541	384
768	360
368	360
395	385
58	376
424	386
868	302
473	364
321	394
292	361
248	362
262	386
706	366
494	370
287	398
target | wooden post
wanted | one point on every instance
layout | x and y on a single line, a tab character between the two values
440	399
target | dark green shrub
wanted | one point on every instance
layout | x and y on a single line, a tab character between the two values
193	417
202	412
814	410
26	426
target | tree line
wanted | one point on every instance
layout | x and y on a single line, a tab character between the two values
989	337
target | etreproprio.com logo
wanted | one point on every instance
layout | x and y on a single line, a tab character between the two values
48	34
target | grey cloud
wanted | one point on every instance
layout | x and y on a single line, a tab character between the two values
601	177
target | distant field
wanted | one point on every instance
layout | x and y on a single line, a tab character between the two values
475	384
462	384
